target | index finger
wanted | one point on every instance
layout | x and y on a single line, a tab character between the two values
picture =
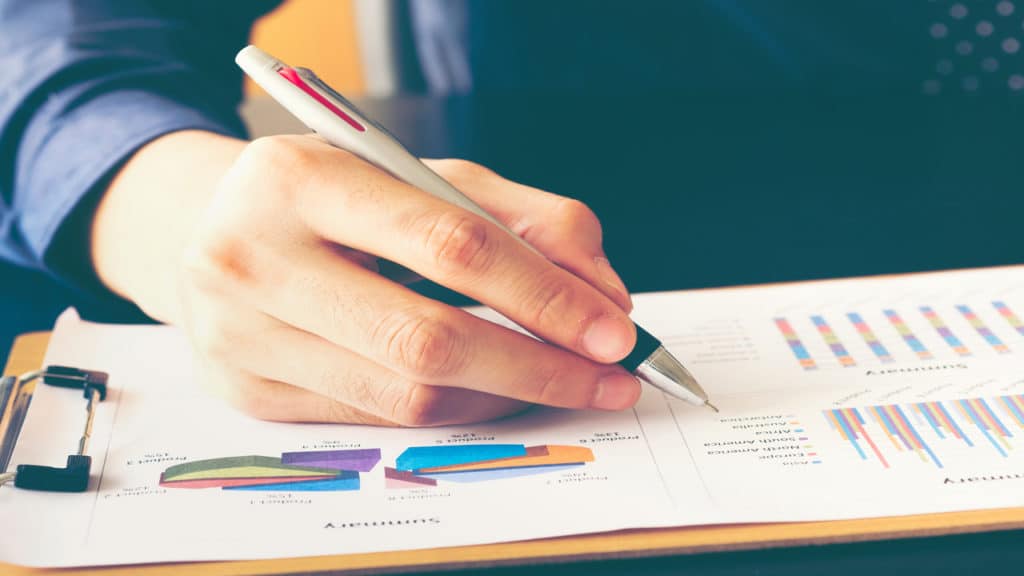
466	253
565	230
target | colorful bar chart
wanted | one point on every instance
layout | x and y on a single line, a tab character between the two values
849	423
928	428
907	334
957	339
943	329
798	348
983	330
833	342
424	466
870	338
901	431
1015	322
319	471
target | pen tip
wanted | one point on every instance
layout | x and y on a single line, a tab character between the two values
712	406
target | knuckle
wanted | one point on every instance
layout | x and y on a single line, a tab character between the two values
421	405
219	259
275	165
549	303
458	243
425	347
547	388
270	153
554	387
572	214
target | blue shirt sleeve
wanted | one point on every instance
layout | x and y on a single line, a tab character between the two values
86	83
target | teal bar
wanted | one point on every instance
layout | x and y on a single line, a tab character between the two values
418	457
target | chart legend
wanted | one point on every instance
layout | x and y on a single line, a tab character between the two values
930	429
940	326
313	471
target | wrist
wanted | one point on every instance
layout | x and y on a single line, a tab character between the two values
147	213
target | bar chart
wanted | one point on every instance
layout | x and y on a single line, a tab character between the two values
983	330
795	344
908	335
850	338
834	344
943	329
1015	322
865	331
310	471
425	466
934	431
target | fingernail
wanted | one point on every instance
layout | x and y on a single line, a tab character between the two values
616	391
607	339
609	277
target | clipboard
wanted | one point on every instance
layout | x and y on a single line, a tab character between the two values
28	351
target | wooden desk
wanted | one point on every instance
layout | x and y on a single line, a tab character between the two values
27	354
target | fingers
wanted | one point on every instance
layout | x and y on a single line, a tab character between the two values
468	254
249	364
371	323
563	229
289	297
270	400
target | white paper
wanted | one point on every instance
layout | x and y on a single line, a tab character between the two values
776	452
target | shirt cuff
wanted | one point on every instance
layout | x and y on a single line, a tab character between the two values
76	155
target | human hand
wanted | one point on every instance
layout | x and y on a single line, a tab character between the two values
282	296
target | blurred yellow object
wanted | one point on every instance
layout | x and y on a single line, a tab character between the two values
316	34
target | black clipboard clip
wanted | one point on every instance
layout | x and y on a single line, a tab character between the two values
15	396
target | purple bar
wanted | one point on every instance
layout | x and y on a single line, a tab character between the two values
360	460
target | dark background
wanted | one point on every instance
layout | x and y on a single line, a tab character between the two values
731	190
999	553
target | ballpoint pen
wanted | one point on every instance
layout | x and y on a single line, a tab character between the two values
339	122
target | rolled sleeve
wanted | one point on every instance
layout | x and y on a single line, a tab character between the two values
86	84
77	151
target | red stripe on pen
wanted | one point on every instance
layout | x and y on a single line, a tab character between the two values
293	77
